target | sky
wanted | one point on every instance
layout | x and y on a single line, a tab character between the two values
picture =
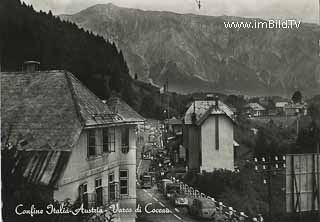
305	10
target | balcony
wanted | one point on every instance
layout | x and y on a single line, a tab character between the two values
102	197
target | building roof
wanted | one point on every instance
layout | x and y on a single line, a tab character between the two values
281	104
48	109
173	121
296	106
127	113
256	106
43	114
203	108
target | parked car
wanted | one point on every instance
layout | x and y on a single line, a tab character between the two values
146	181
179	199
171	189
203	208
163	185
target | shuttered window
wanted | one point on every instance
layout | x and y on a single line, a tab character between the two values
125	140
91	142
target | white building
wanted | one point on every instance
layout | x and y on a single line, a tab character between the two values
208	136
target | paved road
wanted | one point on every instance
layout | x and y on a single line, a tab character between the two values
154	209
157	201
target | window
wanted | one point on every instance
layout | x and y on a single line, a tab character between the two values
124	182
112	187
109	140
217	132
105	142
91	142
83	194
99	192
125	140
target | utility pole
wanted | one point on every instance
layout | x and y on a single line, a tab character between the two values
167	90
269	166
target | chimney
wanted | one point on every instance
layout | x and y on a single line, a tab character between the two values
31	66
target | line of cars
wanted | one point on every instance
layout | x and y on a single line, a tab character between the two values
198	207
159	170
172	192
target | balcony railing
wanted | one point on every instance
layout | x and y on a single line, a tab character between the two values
101	197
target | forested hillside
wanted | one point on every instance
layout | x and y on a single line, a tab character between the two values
30	35
27	35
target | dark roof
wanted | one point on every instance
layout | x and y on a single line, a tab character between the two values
120	107
43	113
204	108
48	109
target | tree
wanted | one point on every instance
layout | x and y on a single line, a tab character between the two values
262	147
297	97
308	138
314	111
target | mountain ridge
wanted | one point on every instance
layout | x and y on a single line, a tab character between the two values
197	53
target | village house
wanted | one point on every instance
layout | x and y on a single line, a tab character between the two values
173	125
74	143
280	106
208	136
295	109
255	109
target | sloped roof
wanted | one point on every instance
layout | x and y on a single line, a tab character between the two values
39	108
256	106
173	121
281	104
120	107
296	106
48	109
203	108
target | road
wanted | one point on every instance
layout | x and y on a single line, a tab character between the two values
154	207
149	199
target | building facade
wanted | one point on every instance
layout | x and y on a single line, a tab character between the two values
255	109
208	136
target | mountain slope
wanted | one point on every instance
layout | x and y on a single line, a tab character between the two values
199	53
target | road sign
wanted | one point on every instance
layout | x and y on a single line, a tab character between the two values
302	183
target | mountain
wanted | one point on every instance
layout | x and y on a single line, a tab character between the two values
197	53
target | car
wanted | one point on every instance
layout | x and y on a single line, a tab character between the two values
203	208
146	181
171	189
163	185
180	199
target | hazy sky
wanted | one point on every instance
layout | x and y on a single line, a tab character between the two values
306	10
